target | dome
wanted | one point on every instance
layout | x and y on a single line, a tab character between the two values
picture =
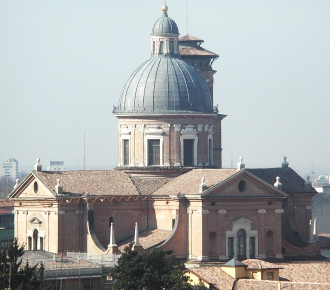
165	25
165	85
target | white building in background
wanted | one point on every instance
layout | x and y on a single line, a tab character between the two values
9	168
55	166
322	184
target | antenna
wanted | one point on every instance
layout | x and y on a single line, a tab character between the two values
187	16
84	150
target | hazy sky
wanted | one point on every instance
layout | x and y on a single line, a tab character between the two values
63	65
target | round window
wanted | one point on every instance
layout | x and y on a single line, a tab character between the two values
241	185
35	187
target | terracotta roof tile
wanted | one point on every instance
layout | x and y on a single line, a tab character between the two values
214	275
147	186
188	50
259	264
188	183
92	182
148	238
190	38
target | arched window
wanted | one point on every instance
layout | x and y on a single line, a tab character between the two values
161	47
171	47
153	47
241	243
212	244
35	240
269	242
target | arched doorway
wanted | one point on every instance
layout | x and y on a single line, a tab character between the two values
269	242
35	240
241	243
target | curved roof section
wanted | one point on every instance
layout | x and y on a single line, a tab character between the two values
165	25
165	85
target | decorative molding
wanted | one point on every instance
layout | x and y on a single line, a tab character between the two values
79	212
200	127
222	211
189	211
279	210
60	212
189	128
203	211
177	127
279	256
261	211
133	127
206	127
202	258
141	127
166	127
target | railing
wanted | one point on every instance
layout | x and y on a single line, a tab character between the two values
105	260
77	272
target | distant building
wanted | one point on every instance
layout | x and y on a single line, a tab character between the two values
55	166
322	185
9	168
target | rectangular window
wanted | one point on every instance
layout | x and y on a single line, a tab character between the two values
153	152
188	152
125	152
252	250
230	248
269	275
210	153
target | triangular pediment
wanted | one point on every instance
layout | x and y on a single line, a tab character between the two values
31	187
35	220
243	185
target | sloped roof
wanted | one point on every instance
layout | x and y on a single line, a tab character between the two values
255	264
193	178
147	186
188	50
215	275
147	238
291	181
188	37
92	182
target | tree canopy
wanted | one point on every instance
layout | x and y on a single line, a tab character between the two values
14	275
154	269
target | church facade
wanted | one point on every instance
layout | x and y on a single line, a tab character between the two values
169	189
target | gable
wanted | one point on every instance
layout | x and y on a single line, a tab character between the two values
244	185
32	187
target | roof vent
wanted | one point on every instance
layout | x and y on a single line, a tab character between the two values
202	186
278	184
59	187
38	166
285	164
17	182
308	183
240	164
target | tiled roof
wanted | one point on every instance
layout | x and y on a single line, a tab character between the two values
188	183
187	50
148	238
250	284
90	182
147	186
255	264
291	181
234	263
324	240
190	38
314	272
214	275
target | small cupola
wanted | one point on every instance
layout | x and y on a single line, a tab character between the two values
278	184
285	164
38	166
240	164
59	187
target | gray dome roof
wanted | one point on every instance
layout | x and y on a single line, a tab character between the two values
165	85
165	25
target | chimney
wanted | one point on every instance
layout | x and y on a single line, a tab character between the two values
308	183
59	187
285	164
38	166
240	164
278	184
202	186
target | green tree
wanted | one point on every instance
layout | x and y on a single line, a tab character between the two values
14	275
154	269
